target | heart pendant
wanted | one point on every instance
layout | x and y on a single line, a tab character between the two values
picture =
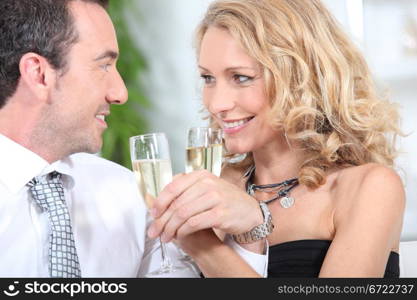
286	202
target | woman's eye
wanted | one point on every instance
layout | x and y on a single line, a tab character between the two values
207	79
241	78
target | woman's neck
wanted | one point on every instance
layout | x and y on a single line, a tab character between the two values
276	162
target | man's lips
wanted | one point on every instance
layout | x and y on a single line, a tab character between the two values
101	117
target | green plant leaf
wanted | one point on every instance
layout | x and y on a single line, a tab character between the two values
125	120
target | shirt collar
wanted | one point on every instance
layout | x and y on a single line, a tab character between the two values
65	167
18	165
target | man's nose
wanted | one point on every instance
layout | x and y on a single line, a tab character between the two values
117	93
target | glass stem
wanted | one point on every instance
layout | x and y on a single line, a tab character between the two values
166	261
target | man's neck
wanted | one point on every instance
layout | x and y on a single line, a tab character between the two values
23	127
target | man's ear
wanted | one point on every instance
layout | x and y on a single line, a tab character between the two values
37	74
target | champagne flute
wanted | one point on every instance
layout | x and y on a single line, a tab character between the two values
152	167
204	150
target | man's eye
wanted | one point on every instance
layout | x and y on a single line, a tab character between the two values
106	67
241	78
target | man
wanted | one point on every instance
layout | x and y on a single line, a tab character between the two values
64	213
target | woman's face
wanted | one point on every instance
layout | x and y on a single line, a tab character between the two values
234	92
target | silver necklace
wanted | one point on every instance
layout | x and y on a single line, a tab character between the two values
283	193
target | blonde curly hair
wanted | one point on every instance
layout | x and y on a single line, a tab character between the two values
319	85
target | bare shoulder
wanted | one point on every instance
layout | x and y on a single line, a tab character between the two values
367	218
369	177
373	188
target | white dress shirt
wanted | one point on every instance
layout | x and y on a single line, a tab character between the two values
108	217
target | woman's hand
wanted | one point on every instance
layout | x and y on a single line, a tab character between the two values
200	200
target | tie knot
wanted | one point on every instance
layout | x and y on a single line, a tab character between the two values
53	177
47	190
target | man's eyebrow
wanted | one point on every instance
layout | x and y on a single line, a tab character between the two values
108	54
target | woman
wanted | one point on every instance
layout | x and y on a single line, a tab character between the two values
293	93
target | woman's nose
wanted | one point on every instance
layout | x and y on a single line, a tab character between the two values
219	99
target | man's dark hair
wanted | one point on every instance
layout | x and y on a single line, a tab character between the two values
45	27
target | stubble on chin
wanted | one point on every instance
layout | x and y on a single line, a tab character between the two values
61	138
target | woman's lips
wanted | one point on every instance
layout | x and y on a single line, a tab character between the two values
230	127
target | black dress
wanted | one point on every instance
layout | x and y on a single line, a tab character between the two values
304	258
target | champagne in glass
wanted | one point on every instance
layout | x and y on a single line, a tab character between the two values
152	176
152	166
204	150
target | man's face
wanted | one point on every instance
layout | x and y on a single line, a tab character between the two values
83	95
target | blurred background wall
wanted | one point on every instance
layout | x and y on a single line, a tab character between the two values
386	30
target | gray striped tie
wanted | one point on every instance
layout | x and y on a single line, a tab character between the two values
48	192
